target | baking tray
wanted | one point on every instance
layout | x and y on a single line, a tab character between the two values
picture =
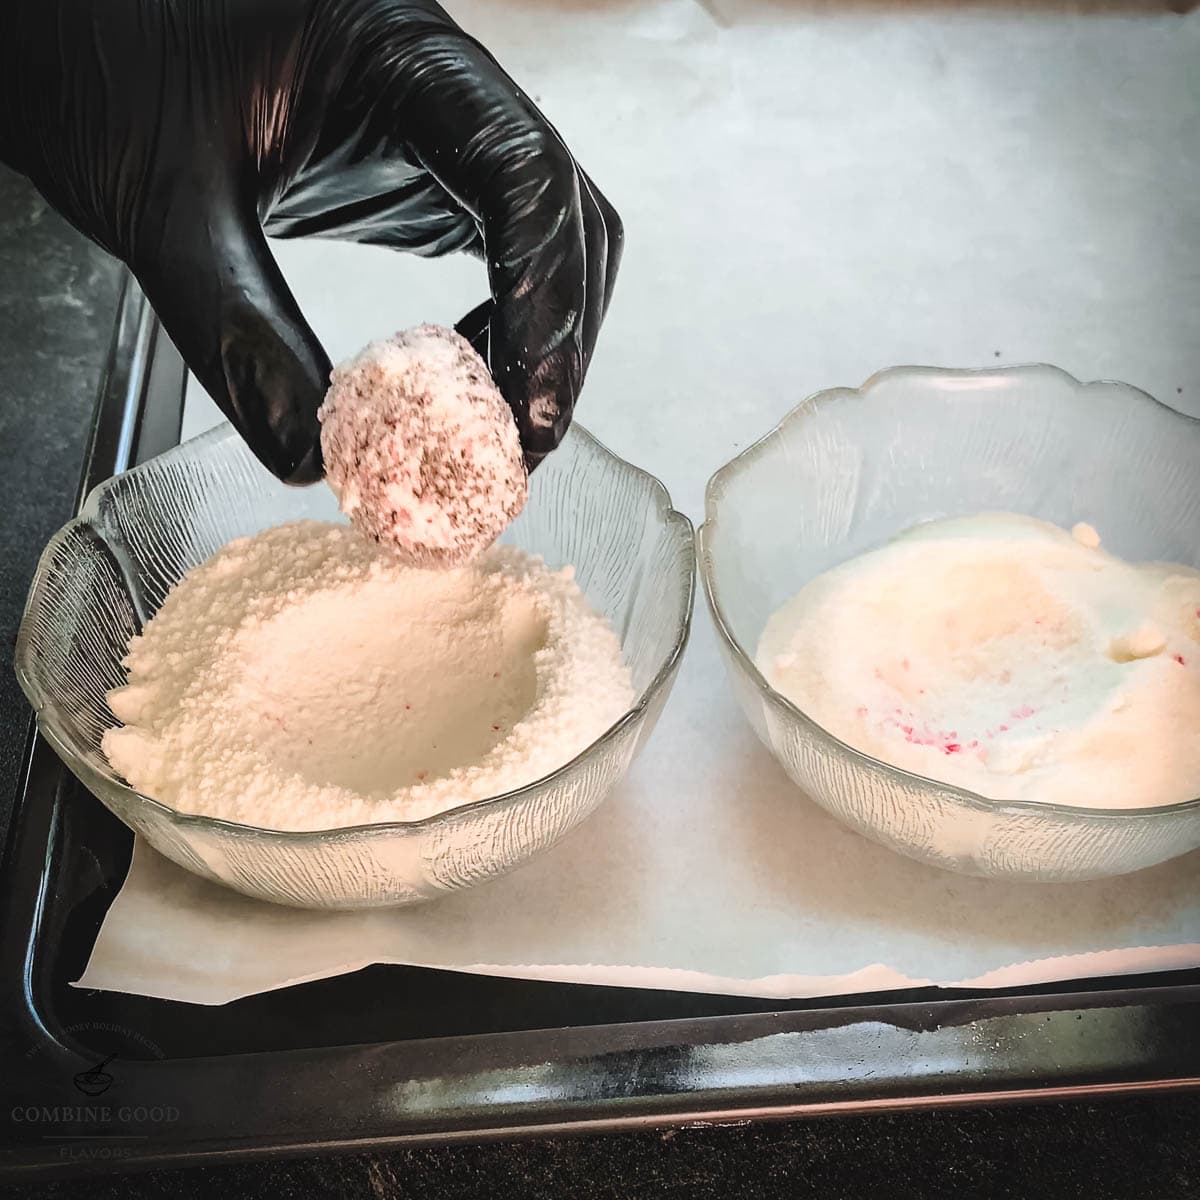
390	1054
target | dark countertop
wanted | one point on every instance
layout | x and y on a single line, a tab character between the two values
57	299
1137	1149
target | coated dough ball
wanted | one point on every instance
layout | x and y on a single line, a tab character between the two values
421	449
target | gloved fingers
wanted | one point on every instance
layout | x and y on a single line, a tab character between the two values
222	299
541	275
603	236
494	153
552	381
603	239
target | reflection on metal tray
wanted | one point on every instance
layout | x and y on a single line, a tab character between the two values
401	1054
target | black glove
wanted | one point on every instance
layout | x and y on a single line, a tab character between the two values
173	131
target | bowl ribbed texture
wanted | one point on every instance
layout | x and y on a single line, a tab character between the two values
105	574
845	471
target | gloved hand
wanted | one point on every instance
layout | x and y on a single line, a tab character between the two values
173	131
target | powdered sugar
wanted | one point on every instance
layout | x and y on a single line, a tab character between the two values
302	679
421	449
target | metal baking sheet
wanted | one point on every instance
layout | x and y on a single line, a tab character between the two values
402	1054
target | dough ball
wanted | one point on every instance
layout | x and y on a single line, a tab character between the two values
421	449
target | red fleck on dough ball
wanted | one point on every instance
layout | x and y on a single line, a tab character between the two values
421	449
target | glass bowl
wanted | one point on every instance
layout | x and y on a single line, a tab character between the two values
103	575
849	469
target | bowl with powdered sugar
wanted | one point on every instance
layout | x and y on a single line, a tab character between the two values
962	609
353	695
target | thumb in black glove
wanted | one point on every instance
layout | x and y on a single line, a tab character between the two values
174	133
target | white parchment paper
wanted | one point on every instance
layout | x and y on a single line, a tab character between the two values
742	887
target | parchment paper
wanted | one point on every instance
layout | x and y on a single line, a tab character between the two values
741	887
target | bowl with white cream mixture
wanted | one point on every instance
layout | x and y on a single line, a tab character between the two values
285	706
962	609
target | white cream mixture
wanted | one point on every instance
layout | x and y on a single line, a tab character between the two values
306	679
1003	655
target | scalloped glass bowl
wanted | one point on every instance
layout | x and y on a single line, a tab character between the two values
848	469
104	574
